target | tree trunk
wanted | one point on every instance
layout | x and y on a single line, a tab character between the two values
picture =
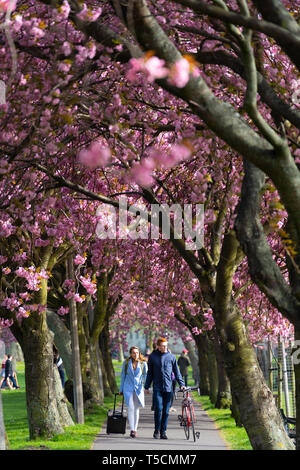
107	359
257	407
106	386
194	361
258	411
62	340
297	386
224	399
62	404
37	345
121	353
212	372
77	377
202	348
93	377
235	413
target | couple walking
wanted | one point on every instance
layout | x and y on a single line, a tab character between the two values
159	368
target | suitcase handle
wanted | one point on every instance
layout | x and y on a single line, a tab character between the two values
116	394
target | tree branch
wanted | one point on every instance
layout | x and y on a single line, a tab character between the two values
263	269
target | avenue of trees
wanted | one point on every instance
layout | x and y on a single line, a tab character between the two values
178	102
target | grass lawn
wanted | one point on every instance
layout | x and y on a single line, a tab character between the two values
78	437
236	438
82	436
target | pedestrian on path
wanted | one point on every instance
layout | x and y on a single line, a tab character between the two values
161	364
3	370
60	366
9	373
134	371
183	364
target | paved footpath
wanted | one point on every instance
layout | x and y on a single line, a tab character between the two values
210	438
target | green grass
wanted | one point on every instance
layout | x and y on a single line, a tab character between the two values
77	437
236	438
82	436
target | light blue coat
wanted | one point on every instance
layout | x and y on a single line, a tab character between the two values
133	381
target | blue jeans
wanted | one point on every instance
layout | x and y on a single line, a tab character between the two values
11	377
162	404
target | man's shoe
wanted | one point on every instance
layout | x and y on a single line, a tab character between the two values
163	436
155	434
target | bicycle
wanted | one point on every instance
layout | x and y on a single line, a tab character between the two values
187	418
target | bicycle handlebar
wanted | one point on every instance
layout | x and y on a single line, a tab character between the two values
186	389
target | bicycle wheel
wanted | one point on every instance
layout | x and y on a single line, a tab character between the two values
186	421
192	420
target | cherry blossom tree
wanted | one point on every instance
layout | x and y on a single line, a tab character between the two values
138	88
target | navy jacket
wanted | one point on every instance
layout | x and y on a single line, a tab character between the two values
8	367
160	368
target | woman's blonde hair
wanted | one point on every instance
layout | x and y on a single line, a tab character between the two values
141	357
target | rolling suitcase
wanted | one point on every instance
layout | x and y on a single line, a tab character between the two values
116	420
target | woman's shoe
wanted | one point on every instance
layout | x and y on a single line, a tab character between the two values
132	433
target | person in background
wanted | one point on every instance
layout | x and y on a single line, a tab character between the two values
133	373
183	364
161	364
9	373
59	363
3	370
148	352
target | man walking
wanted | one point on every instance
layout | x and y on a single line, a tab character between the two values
9	373
161	364
183	364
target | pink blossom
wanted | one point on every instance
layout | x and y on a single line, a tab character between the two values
21	272
22	312
79	298
63	310
11	302
91	50
25	295
40	242
64	66
66	48
3	259
179	73
6	229
6	271
97	155
69	295
82	54
64	10
69	283
141	173
176	154
153	67
88	285
6	4
78	260
88	15
20	257
17	23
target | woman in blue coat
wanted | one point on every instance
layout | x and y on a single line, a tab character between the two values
133	374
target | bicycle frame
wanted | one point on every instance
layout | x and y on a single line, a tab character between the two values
187	418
